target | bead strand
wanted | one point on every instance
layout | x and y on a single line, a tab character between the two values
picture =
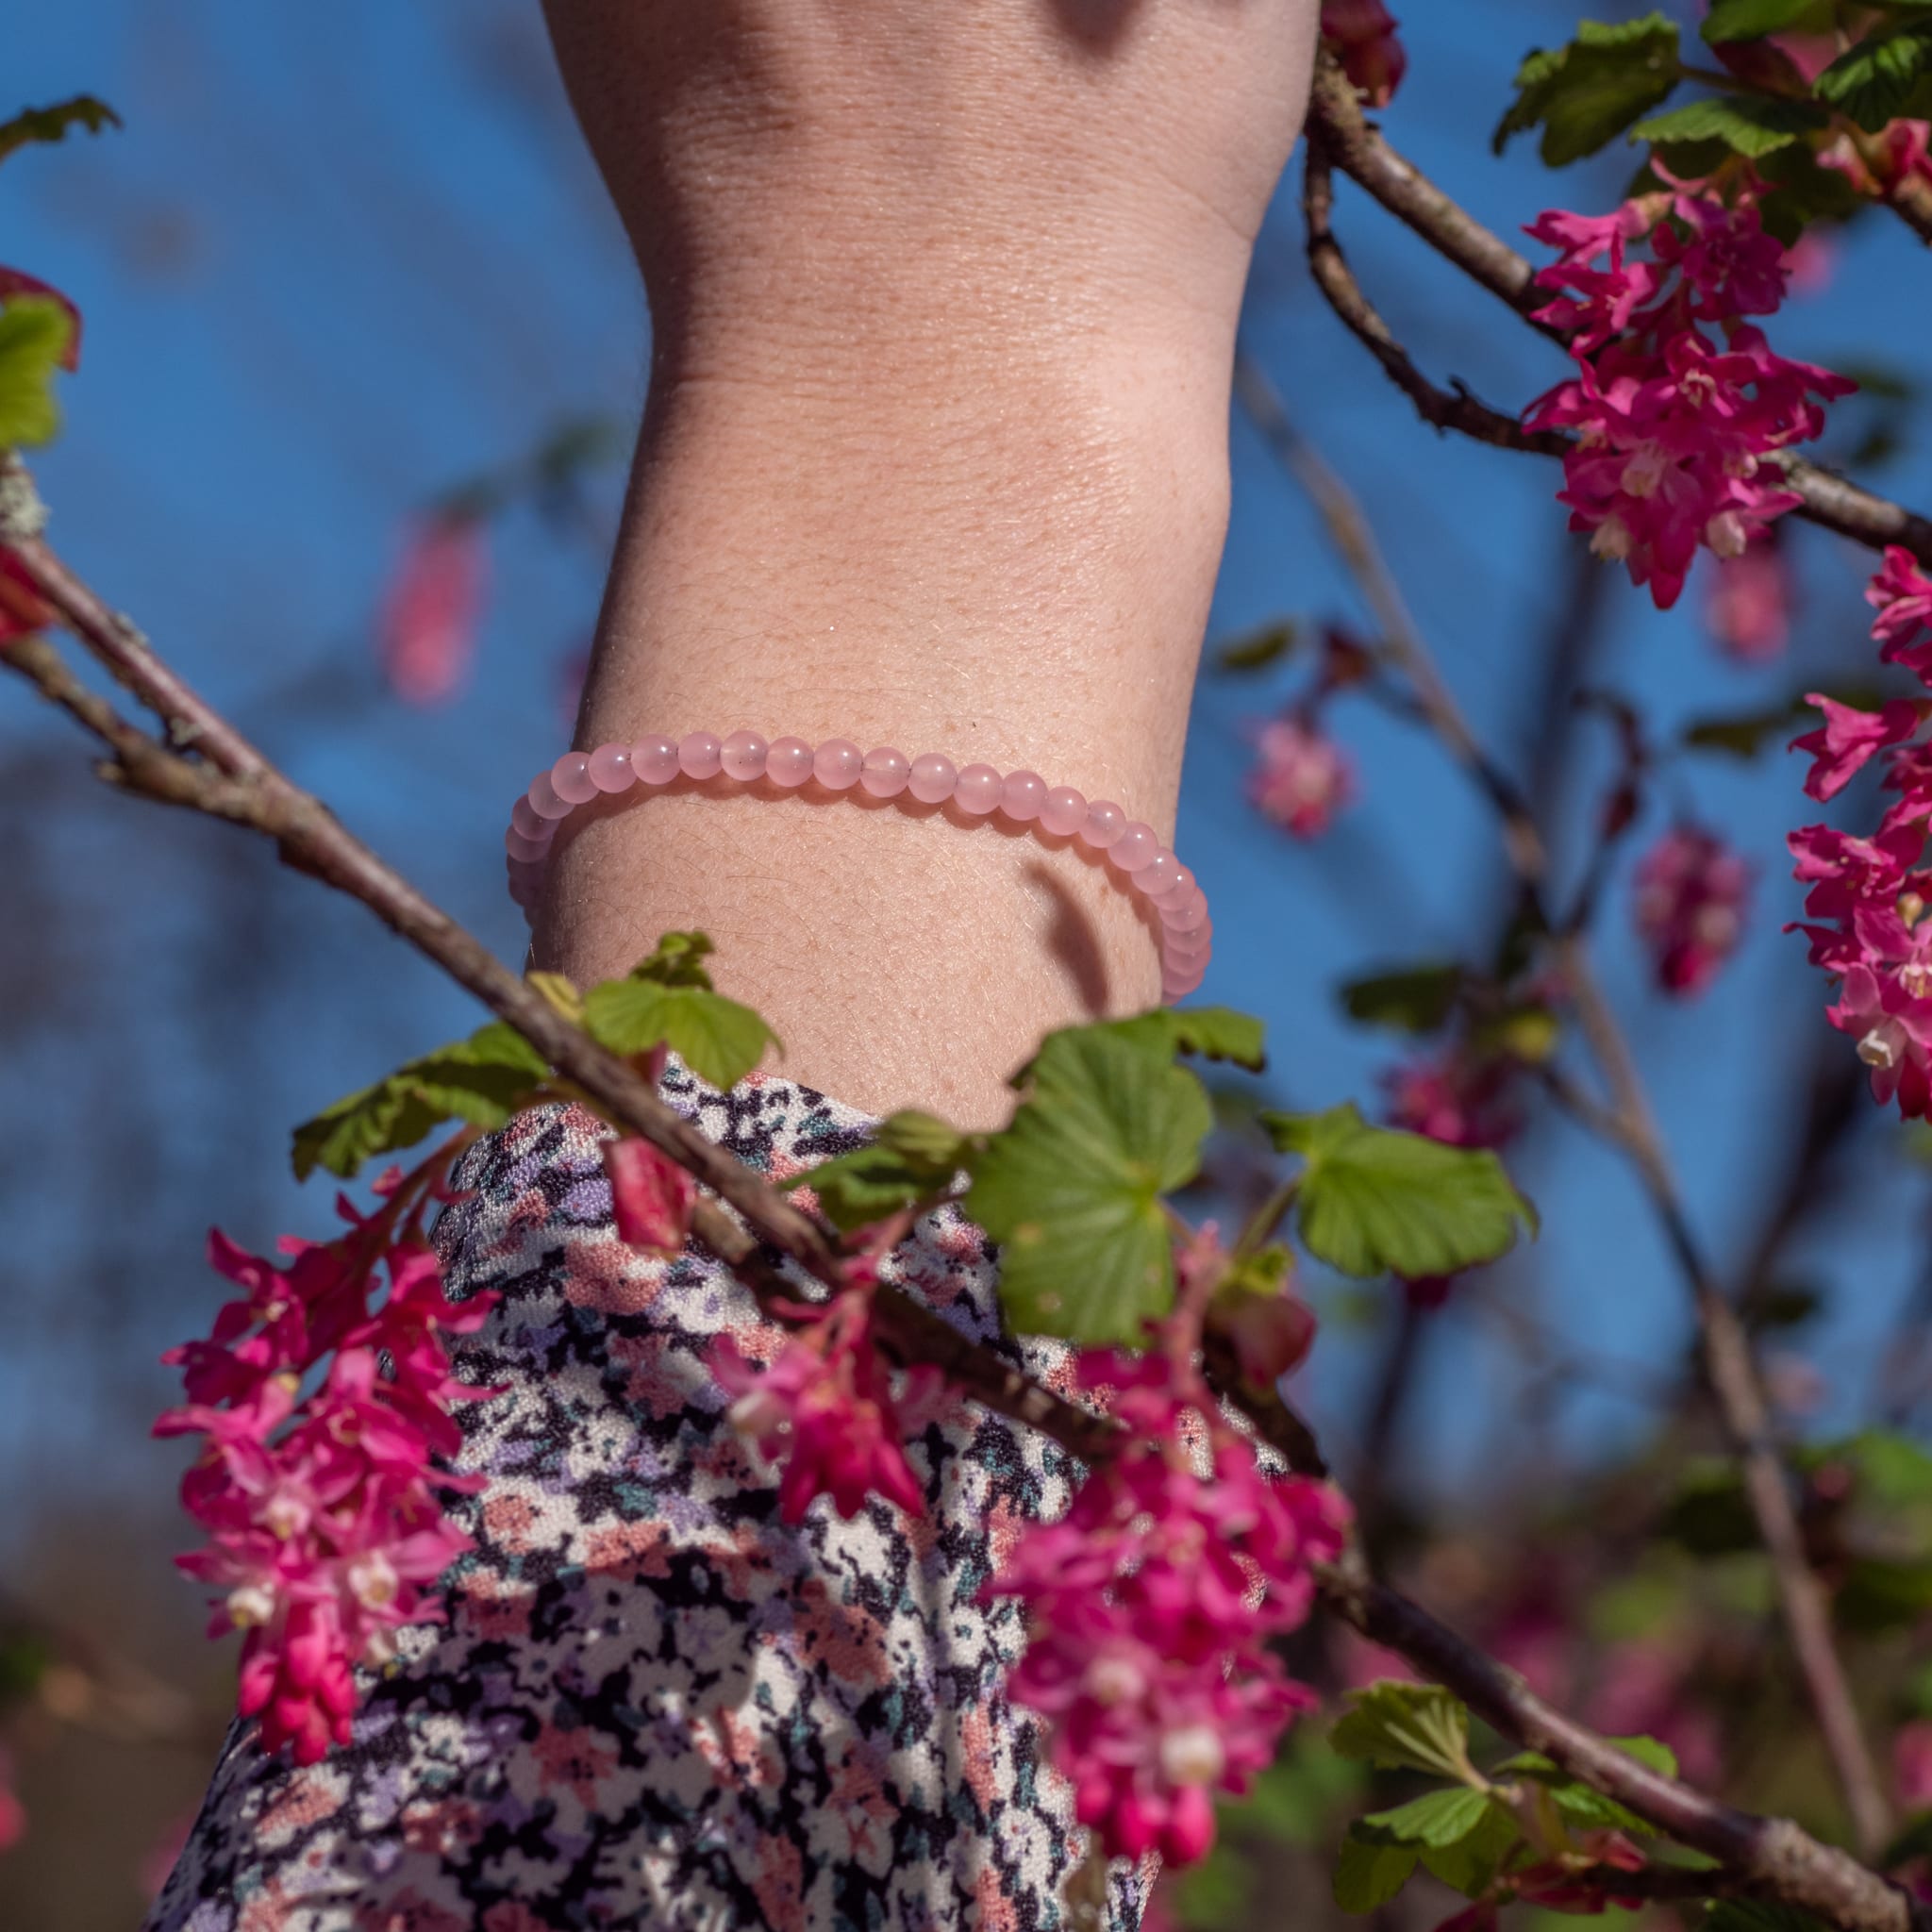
1135	857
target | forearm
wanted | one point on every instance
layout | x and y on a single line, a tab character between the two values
974	503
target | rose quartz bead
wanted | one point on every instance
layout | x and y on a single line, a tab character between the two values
544	800
1188	916
1103	823
886	772
524	817
570	776
837	764
1063	810
976	790
931	778
700	754
527	851
1182	885
743	756
611	768
1134	848
655	759
1023	796
787	761
1158	874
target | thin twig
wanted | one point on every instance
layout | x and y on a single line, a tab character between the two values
1770	1856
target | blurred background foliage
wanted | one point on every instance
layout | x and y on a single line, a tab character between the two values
347	268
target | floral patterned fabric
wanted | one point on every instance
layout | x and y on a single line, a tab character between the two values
653	1704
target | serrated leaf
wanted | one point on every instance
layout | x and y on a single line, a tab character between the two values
1578	1802
482	1080
677	959
1873	81
1375	1202
1415	999
1437	1818
1471	1863
35	332
1211	1033
1403	1726
1256	650
1071	1189
1752	124
913	1157
1751	20
54	122
1586	93
1367	1876
720	1040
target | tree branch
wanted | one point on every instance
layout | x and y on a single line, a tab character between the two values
215	768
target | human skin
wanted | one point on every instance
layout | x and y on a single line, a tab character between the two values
944	296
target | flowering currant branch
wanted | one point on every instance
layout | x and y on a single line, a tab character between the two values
1627	1122
205	765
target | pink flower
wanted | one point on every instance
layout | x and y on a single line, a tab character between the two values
1902	594
12	1812
1691	894
1911	1765
1848	738
651	1196
1878	164
1300	778
428	634
824	1409
1150	1603
1363	35
1748	604
1458	1096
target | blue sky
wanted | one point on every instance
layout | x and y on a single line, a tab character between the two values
341	258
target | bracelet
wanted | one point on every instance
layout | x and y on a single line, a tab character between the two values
1136	856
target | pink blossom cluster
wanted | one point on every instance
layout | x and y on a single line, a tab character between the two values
824	1408
1678	405
1866	895
1691	891
433	610
1362	33
1460	1095
1748	602
322	1511
1300	778
1151	1601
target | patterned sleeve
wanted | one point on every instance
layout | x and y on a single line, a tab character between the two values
652	1702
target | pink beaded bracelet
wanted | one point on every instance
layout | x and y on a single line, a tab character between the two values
1137	858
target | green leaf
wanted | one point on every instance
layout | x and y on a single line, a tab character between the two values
1878	1594
1071	1187
1894	1473
1709	1514
668	999
1751	20
1403	1726
1367	1876
1374	1202
1875	81
913	1157
1437	1818
677	959
1581	1806
1212	1033
1742	734
483	1080
1413	999
1583	96
35	331
53	124
1752	124
1471	1863
1256	650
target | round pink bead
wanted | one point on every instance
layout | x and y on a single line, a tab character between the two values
1189	916
544	800
1171	990
1063	810
1134	848
932	777
611	768
653	760
837	764
787	761
526	851
1157	875
978	788
524	817
743	756
1023	796
700	754
571	777
886	772
1104	825
1183	884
